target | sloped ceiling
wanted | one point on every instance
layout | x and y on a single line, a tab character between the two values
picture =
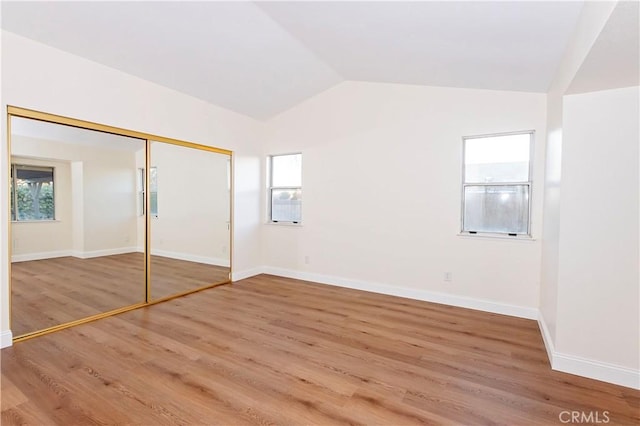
614	60
260	59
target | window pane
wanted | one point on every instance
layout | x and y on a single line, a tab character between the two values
502	209
153	179
153	203
286	205
497	159
153	191
34	191
286	170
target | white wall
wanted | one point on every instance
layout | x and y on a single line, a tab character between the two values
599	255
193	205
109	188
589	275
381	192
592	20
77	207
43	239
76	87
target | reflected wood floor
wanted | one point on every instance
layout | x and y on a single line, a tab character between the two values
271	350
55	291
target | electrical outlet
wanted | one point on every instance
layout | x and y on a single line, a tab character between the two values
448	276
307	260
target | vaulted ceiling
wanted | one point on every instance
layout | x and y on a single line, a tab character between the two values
614	58
262	58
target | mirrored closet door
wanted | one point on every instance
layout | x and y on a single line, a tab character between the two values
76	241
189	219
105	220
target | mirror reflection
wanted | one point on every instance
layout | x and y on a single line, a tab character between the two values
190	213
77	232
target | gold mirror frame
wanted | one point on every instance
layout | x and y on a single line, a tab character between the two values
13	111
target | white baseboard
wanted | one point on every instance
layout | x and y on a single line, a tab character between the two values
74	253
39	256
546	338
192	258
584	367
410	293
118	250
105	252
603	371
241	275
6	339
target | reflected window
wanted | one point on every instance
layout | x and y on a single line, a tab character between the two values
285	188
32	196
140	188
153	194
153	191
497	184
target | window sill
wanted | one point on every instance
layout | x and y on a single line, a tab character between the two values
487	236
299	225
37	221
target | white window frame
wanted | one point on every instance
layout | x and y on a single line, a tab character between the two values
142	182
271	188
528	184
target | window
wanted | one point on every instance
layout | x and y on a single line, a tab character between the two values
153	184
140	188
32	196
285	188
496	186
153	191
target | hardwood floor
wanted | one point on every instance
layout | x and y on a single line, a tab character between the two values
271	350
172	276
54	291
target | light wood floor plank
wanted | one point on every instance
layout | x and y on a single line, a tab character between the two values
271	350
50	292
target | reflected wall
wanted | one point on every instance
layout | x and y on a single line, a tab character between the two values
190	219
